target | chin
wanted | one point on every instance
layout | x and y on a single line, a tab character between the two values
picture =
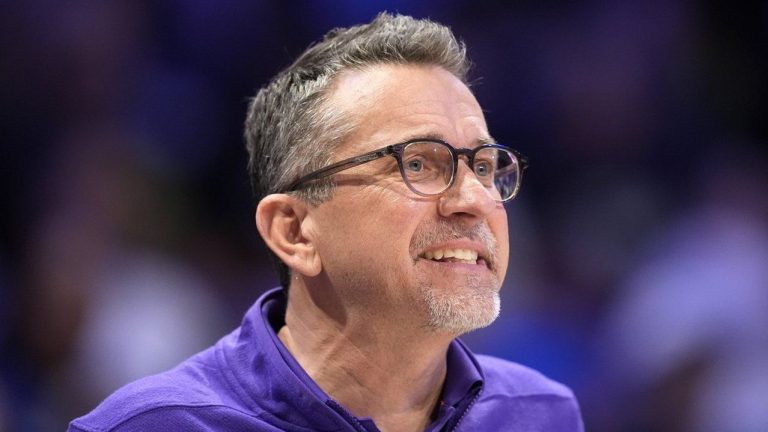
459	314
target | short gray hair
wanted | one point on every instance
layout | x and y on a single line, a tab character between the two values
291	130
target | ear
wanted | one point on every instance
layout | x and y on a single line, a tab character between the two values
279	218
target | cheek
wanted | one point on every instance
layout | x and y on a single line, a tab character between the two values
371	231
392	225
501	231
389	213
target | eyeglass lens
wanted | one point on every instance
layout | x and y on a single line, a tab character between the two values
428	167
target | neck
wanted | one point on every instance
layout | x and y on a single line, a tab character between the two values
392	376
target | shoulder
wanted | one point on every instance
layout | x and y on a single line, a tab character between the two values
179	398
177	417
516	380
516	397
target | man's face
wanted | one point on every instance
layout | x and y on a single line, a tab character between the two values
378	241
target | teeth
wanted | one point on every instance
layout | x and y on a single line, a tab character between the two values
467	255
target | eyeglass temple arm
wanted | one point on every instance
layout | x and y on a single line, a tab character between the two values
522	159
340	166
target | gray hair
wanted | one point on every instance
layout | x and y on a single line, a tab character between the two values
291	130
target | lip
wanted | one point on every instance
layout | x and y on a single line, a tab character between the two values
482	253
445	268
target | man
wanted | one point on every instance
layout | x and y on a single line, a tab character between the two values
380	193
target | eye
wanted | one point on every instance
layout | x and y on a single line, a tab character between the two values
414	165
483	168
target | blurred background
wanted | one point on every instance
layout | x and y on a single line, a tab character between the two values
639	268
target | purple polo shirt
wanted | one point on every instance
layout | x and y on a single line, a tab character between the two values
248	381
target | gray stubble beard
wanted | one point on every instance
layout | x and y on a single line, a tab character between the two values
474	307
478	304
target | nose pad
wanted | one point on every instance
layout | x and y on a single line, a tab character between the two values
459	167
469	172
467	195
466	178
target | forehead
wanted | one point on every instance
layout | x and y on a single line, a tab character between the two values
393	103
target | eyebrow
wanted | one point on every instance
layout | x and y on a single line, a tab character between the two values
440	137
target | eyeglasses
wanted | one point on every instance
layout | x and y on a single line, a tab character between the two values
429	167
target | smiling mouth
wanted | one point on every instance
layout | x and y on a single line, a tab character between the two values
463	256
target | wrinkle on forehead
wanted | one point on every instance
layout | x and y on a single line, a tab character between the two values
391	103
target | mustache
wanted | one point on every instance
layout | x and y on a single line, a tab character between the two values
443	231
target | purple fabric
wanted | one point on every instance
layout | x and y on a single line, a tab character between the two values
249	381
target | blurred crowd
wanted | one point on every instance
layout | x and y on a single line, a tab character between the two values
639	265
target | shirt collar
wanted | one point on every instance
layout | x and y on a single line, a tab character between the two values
463	374
463	380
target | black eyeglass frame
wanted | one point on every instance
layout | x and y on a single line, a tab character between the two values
396	151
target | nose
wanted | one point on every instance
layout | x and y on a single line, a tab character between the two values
467	196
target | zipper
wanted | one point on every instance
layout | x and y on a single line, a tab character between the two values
471	403
351	419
